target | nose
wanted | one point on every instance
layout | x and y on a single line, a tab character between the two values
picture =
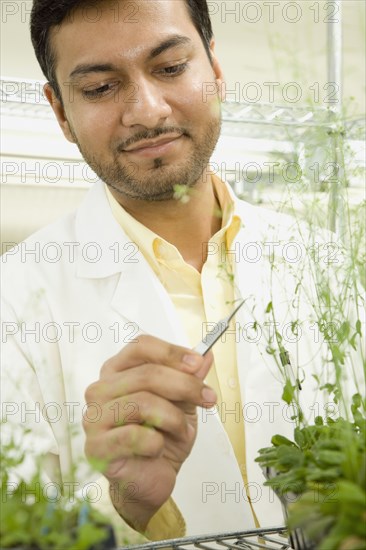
145	106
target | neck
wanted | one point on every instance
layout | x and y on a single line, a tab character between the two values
187	225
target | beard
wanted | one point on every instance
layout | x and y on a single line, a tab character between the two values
157	178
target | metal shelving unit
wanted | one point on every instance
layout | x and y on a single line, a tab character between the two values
274	538
24	97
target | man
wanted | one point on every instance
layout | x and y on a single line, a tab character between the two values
140	275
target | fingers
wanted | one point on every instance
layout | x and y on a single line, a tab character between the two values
147	395
123	443
166	382
141	427
202	371
140	408
149	349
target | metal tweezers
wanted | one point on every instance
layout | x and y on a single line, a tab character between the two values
211	338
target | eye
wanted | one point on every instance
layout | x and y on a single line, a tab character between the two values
94	93
174	70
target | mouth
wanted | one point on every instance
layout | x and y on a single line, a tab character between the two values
154	147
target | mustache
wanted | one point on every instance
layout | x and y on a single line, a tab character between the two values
151	134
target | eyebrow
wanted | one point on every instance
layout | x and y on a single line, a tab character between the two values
172	42
87	68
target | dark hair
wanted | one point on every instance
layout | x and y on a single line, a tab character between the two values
51	13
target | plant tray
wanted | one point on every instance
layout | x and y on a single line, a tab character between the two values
269	538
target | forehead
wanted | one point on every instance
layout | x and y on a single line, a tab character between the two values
118	30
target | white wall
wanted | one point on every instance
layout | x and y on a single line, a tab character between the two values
258	42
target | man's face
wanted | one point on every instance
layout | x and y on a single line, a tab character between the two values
133	85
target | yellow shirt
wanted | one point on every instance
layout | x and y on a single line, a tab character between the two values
200	299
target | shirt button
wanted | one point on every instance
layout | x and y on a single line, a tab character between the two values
232	383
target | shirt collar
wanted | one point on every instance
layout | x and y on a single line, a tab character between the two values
152	246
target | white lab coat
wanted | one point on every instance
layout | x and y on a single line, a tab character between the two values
85	292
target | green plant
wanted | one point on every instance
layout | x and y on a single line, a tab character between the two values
323	469
326	466
35	516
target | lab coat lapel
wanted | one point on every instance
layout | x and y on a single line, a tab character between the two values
249	286
258	375
139	296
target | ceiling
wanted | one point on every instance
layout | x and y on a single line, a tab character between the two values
258	42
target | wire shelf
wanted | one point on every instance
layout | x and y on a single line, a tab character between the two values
25	98
272	538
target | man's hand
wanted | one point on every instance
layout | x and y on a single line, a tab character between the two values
148	394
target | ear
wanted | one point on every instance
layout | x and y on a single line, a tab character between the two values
59	111
219	76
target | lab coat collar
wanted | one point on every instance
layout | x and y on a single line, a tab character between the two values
100	237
